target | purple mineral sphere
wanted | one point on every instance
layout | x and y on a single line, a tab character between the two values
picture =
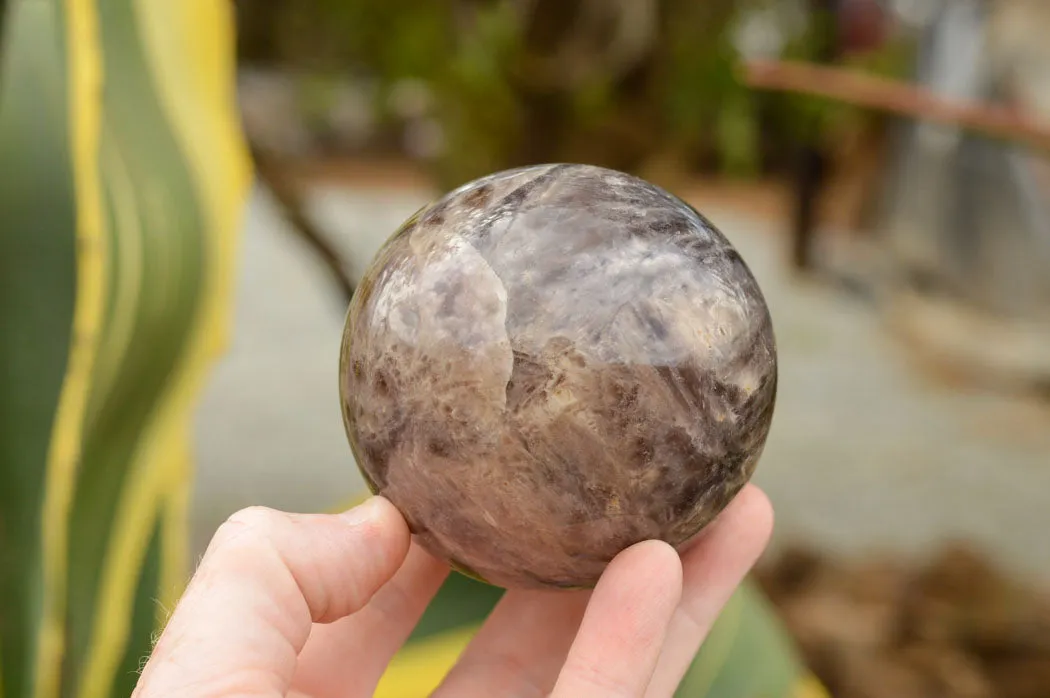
552	363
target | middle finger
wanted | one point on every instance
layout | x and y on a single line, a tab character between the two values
521	646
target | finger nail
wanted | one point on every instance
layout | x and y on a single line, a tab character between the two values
363	513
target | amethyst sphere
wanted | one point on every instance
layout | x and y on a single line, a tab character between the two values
552	363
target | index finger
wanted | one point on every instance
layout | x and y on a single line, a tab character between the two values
266	578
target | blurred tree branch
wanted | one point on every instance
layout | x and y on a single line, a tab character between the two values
896	97
271	174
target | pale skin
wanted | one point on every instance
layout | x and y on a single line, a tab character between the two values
317	605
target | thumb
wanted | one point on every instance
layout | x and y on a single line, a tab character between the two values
266	577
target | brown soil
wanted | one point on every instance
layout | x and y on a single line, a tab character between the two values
951	627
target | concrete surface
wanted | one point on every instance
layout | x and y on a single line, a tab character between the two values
864	454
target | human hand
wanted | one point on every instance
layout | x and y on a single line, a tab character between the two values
317	605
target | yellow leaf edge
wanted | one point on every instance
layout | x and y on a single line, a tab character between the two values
207	131
718	645
809	686
84	67
418	669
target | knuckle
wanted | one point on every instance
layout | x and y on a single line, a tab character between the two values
605	685
253	516
252	523
601	679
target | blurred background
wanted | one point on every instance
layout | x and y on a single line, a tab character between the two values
879	164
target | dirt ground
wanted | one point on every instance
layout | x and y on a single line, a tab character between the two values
952	626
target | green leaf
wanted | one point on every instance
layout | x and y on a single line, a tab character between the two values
460	602
155	263
37	299
748	653
126	179
174	168
144	617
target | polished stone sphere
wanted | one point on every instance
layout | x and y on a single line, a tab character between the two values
552	363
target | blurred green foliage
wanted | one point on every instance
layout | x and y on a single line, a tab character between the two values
623	83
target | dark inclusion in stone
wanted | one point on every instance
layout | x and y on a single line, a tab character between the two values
552	363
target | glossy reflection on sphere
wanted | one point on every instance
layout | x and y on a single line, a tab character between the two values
552	363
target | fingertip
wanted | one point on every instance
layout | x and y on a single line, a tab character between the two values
651	569
734	541
658	558
375	509
378	518
375	526
749	513
752	512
